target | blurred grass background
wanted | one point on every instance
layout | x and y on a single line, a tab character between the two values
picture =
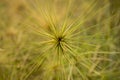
19	45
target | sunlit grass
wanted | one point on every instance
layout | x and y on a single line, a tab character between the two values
59	40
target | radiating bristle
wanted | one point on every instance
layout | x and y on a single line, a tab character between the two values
59	40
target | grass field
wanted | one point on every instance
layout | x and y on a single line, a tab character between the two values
59	40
